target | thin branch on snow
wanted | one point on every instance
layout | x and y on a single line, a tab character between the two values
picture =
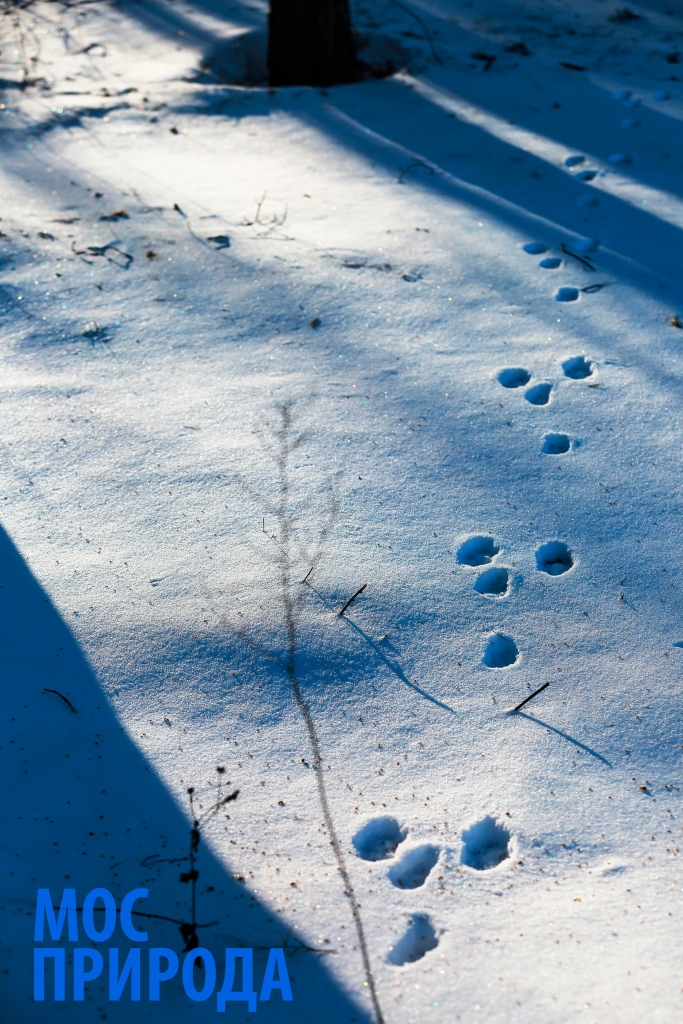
530	697
65	699
352	599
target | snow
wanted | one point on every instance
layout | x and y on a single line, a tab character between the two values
250	335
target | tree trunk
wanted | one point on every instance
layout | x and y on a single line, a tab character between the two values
310	43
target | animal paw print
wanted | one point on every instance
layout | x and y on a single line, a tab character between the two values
419	939
556	444
485	846
574	368
501	651
554	558
494	582
579	251
477	550
412	870
578	368
517	377
379	838
514	377
481	550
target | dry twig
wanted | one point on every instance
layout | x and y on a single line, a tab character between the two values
530	697
352	599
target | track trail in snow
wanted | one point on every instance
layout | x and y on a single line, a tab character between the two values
466	277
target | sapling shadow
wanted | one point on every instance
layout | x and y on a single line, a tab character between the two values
296	561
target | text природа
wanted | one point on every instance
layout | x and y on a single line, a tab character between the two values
124	968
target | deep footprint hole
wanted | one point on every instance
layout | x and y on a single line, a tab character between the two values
514	377
567	294
539	394
535	248
477	551
578	368
485	844
493	582
554	558
556	444
378	839
500	652
417	941
411	872
550	263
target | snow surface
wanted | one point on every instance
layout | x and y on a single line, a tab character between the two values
181	259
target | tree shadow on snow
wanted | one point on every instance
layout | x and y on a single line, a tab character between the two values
82	808
505	163
406	131
370	647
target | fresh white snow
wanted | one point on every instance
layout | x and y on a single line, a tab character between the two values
419	333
